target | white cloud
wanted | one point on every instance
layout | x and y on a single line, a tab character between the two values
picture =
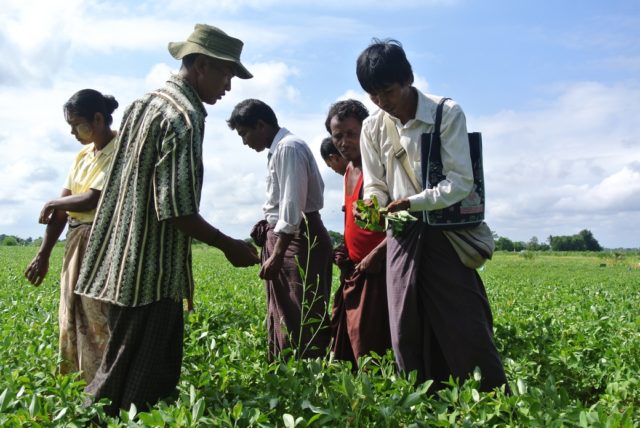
271	81
573	159
618	192
421	83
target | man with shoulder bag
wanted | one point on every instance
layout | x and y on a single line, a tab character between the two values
440	317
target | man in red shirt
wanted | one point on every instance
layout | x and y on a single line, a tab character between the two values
360	320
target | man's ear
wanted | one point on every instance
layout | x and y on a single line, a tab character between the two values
200	63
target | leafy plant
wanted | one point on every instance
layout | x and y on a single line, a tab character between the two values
568	332
371	216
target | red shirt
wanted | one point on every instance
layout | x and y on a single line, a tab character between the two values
359	242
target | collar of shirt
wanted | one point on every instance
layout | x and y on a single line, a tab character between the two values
425	112
185	88
283	132
89	149
109	148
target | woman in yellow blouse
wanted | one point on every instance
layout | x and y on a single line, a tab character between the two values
83	321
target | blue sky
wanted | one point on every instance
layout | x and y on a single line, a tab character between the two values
554	88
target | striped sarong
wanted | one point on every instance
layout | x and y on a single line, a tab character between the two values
297	315
439	313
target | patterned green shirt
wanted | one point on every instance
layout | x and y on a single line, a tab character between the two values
135	256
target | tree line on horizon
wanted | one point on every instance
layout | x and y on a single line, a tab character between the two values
581	241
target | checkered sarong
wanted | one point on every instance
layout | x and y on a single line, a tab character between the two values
144	355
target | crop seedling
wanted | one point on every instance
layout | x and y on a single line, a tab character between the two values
567	330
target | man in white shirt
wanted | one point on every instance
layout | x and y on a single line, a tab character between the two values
292	234
440	318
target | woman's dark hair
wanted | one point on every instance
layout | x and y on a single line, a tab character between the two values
327	148
247	113
382	64
343	109
87	102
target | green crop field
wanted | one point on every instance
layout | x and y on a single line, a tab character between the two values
567	327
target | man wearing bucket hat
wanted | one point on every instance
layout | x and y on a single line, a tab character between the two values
139	258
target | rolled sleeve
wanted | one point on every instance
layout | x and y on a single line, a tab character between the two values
456	166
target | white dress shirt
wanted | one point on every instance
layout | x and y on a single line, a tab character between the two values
383	174
294	184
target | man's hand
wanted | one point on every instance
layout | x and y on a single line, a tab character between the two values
37	269
375	260
241	253
271	267
399	205
238	252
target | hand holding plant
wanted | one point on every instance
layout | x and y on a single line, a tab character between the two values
370	214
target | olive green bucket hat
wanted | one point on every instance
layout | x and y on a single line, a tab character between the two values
212	41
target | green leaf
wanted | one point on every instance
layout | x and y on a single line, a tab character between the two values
149	419
133	411
313	419
237	410
192	395
583	419
34	407
288	420
411	399
198	410
60	414
5	397
306	404
477	375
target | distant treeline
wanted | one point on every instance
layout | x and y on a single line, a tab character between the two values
582	241
12	241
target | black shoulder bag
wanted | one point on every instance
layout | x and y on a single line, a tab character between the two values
469	211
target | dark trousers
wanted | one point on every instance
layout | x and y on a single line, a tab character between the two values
440	318
143	357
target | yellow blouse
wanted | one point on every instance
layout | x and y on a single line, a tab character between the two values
89	171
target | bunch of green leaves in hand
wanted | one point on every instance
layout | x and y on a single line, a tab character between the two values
370	215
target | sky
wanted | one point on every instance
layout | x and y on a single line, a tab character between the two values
553	86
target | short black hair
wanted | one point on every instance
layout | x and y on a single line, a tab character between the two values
87	102
327	148
382	64
347	108
248	112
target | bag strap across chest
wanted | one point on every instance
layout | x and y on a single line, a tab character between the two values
399	152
